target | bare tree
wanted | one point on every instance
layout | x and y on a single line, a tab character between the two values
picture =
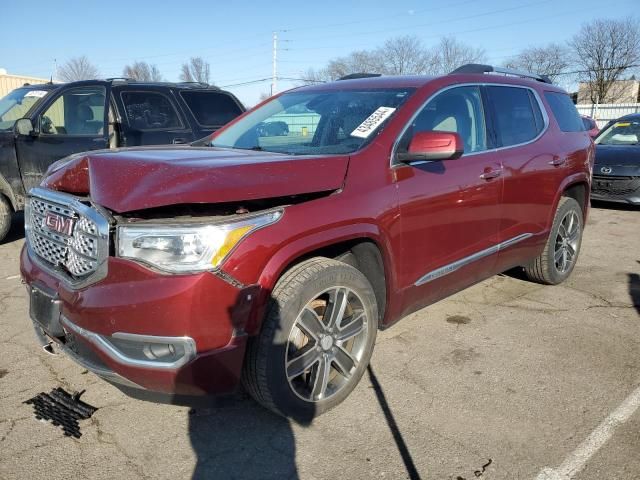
551	60
403	56
604	50
142	71
77	68
312	76
397	56
195	70
450	53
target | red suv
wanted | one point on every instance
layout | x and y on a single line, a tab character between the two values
272	256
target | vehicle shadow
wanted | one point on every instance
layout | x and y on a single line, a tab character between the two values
634	290
16	232
242	441
623	207
238	438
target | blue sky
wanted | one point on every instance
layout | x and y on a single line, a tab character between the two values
236	37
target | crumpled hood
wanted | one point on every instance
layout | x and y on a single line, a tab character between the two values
131	179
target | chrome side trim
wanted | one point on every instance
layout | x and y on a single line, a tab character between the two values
458	264
543	111
114	354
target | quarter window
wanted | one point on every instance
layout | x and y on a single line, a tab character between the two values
458	110
517	115
78	111
565	112
150	111
211	109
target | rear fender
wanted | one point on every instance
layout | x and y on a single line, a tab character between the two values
574	179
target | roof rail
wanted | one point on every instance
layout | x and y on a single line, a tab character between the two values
480	68
120	79
199	84
353	76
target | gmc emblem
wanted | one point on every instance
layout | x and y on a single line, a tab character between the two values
59	224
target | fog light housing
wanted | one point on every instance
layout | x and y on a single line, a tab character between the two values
156	351
153	350
147	351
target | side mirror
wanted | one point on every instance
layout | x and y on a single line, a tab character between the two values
431	146
23	126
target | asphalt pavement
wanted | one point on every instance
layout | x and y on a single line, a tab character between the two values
506	380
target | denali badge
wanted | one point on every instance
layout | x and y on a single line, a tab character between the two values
606	170
59	224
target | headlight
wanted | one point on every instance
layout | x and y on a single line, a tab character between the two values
181	248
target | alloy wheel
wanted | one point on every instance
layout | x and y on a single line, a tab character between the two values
326	344
567	240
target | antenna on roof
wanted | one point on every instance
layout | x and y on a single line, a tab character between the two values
480	68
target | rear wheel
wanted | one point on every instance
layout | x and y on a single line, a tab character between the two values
6	213
316	340
561	251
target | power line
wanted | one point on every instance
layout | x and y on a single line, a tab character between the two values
604	69
436	22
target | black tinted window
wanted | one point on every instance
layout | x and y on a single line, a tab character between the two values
565	112
211	108
517	114
150	111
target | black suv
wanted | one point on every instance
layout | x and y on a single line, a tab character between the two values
40	124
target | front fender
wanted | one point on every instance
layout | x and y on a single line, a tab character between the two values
303	246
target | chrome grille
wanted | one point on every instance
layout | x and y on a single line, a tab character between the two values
69	236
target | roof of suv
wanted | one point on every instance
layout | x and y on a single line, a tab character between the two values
418	81
127	81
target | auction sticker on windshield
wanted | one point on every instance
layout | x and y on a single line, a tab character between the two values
372	122
36	93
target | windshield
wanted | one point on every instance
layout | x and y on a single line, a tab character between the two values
314	123
620	133
17	103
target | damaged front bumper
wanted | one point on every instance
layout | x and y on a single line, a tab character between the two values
172	334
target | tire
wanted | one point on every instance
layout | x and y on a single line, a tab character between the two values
6	214
300	334
547	268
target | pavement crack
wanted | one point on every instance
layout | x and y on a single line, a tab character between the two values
480	472
106	438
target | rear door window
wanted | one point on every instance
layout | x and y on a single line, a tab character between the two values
210	108
150	111
517	115
565	112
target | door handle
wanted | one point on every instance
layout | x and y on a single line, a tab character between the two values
558	161
178	141
491	173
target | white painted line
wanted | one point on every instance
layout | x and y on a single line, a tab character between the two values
12	277
581	455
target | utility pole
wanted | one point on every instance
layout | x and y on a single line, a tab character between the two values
275	59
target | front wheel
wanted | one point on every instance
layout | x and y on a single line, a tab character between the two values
6	213
561	251
316	340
